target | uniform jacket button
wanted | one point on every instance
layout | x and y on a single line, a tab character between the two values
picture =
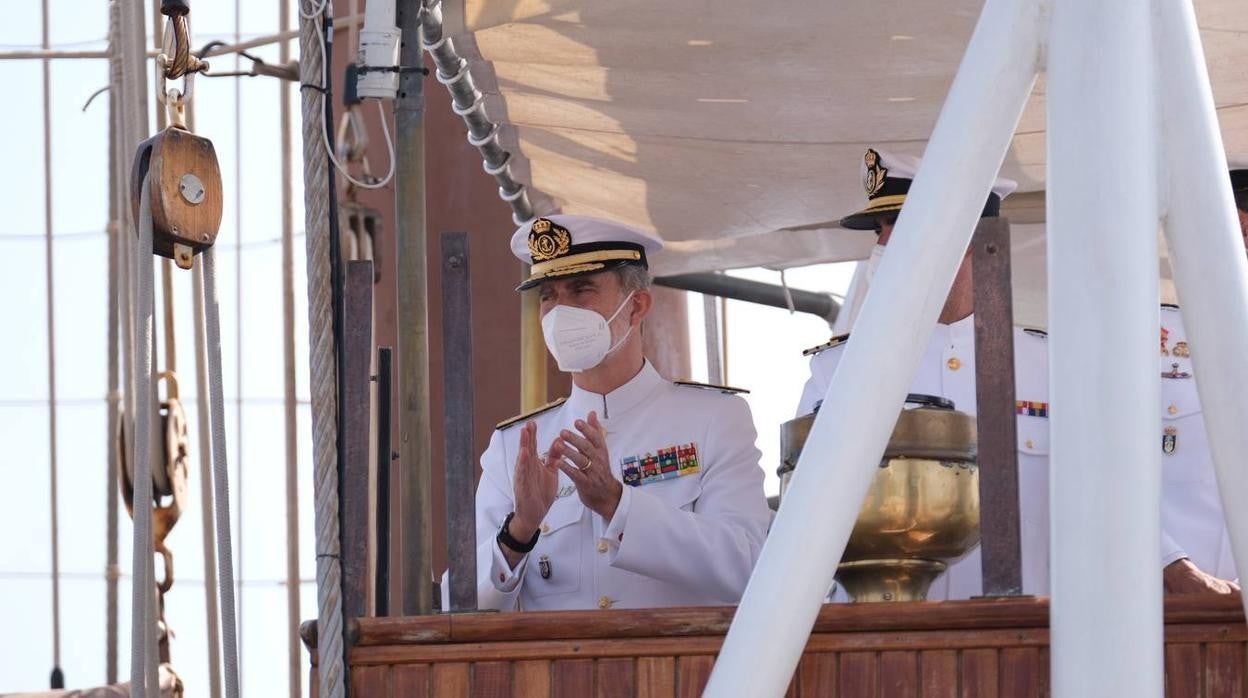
604	602
602	545
545	527
954	363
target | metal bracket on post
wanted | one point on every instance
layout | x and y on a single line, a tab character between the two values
355	355
994	396
457	426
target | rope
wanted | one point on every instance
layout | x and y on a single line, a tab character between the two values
141	631
57	679
112	569
294	649
220	468
239	364
205	486
323	369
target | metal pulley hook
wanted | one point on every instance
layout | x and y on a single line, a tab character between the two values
177	61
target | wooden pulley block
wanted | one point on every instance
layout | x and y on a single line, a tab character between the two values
186	192
169	468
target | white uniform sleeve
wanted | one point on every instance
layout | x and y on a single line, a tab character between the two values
712	548
822	366
1171	551
498	586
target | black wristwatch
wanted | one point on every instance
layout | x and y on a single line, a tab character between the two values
505	538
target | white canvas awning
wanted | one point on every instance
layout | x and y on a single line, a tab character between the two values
735	129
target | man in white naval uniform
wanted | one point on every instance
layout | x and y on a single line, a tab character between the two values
1195	552
634	491
948	370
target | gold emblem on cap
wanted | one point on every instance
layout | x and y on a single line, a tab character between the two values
548	240
873	178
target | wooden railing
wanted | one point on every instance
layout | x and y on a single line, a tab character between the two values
996	647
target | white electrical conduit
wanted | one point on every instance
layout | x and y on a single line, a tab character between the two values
1206	254
849	435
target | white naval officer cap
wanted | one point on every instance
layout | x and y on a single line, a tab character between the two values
887	177
562	246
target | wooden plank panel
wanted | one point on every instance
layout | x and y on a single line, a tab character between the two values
451	680
656	677
938	670
1184	671
491	680
531	679
411	680
816	675
899	675
1022	674
692	673
1224	669
979	673
370	681
572	678
857	675
617	678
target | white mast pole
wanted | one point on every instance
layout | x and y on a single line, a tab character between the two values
861	406
1103	213
1207	255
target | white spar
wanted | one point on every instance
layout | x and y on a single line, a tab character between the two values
850	432
1207	255
1105	479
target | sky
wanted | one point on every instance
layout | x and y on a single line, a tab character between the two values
247	248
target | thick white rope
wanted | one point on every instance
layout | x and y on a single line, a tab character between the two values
220	471
324	381
294	649
142	626
209	537
57	677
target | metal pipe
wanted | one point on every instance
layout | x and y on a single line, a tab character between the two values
469	103
724	286
289	384
416	477
848	437
1207	255
237	47
460	463
1106	621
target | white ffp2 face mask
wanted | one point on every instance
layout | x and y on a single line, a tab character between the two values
580	338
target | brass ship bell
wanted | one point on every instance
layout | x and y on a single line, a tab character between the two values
922	511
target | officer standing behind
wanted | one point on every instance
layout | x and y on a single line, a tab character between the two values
948	370
1196	546
634	491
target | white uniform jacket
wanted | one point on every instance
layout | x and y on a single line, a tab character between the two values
948	370
1191	511
688	528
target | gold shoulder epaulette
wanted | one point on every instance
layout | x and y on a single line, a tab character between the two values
531	413
1036	332
836	341
707	386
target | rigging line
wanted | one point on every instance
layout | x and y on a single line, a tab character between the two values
57	678
293	614
112	570
238	319
208	537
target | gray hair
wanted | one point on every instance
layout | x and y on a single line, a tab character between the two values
633	277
